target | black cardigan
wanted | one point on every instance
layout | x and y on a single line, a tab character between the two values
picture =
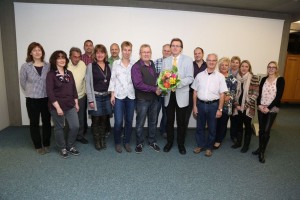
280	87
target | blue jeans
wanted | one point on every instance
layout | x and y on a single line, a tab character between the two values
163	121
59	123
206	114
146	108
123	109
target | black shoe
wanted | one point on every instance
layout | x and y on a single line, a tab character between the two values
182	149
139	148
261	157
63	153
235	146
155	147
168	147
256	152
73	151
82	140
244	149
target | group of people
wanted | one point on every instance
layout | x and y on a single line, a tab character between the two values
214	90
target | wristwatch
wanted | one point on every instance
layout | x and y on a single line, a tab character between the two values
220	109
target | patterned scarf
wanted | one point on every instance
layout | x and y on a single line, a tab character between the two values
63	78
246	79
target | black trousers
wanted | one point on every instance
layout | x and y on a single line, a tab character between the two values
173	108
265	124
243	119
35	109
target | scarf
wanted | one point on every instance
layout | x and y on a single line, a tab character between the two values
63	78
246	79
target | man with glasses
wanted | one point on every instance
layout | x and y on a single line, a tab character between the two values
208	98
144	80
177	101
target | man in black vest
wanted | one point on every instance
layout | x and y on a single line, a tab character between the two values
144	79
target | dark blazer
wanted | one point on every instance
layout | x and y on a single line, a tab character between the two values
280	87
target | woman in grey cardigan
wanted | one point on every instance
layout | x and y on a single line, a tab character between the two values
99	107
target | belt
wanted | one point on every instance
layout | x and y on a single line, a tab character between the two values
102	93
209	102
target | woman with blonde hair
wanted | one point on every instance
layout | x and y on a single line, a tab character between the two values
244	105
270	92
231	83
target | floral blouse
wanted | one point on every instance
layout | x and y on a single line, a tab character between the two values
231	83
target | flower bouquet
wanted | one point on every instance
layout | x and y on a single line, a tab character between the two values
168	80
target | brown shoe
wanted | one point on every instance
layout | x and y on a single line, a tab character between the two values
208	153
127	148
118	148
47	149
41	151
197	150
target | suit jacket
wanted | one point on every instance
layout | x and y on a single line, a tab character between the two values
186	75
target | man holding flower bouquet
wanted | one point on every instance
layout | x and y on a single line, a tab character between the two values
177	97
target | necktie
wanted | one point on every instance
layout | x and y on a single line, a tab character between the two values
175	62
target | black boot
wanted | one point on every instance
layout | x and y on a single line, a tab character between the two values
256	152
261	155
259	145
246	142
96	132
238	142
103	125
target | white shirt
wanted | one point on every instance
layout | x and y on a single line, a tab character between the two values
120	81
209	87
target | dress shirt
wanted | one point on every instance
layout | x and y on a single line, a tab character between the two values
33	84
158	65
111	61
87	59
79	71
137	77
121	82
209	86
198	69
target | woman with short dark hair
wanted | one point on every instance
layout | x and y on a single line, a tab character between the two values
63	100
33	81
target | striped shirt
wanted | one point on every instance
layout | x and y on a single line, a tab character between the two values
33	84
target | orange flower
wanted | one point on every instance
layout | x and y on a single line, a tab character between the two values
167	85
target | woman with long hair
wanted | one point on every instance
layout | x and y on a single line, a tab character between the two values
270	92
246	95
63	100
33	82
99	107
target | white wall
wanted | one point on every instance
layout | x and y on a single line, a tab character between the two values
4	122
64	26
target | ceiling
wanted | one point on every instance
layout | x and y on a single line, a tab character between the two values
291	7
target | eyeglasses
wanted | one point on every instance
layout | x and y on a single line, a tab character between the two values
145	52
272	67
177	46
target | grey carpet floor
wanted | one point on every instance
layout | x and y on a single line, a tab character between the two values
228	174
